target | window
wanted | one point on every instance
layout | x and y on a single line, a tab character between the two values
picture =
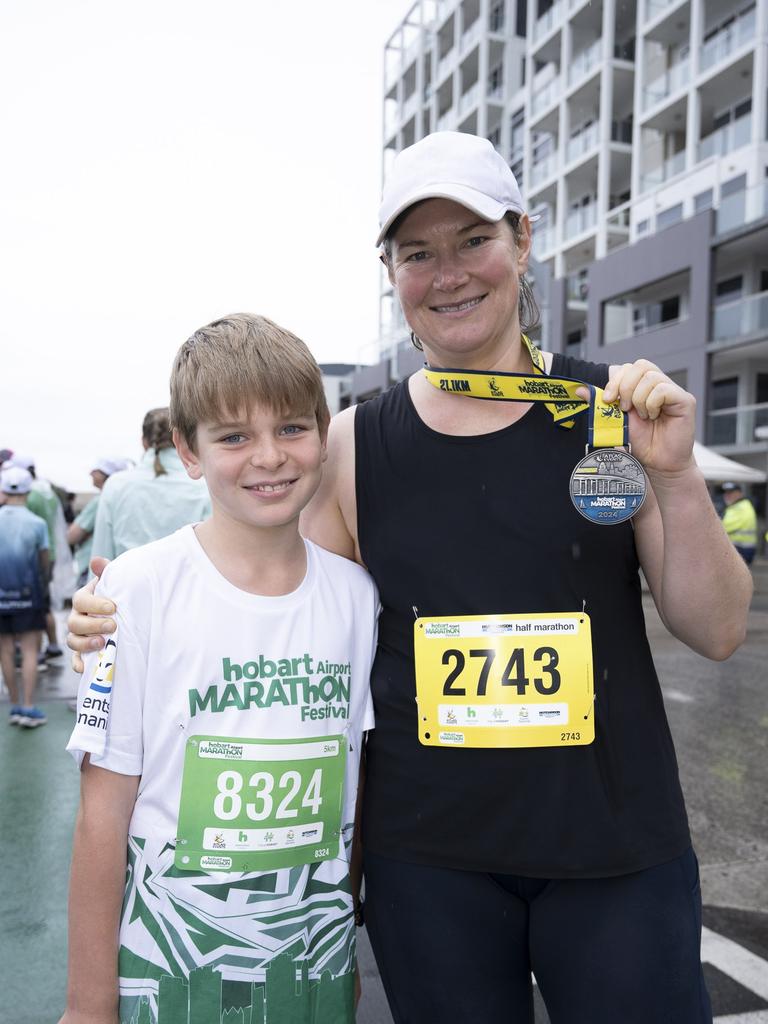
729	188
642	226
703	201
645	309
728	289
496	23
666	218
723	395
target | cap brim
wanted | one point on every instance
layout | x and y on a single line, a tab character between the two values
485	207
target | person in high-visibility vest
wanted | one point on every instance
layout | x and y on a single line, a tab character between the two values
740	521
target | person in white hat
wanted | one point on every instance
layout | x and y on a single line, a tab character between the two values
80	532
23	568
510	826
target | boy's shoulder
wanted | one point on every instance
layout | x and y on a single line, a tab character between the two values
137	569
342	569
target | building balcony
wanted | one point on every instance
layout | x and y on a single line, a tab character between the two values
581	220
584	62
544	240
444	64
495	93
742	208
543	169
731	136
447	121
576	288
547	21
736	426
469	99
546	97
471	36
746	316
655	7
674	79
410	106
672	166
582	143
728	40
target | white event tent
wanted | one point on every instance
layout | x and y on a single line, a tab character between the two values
717	468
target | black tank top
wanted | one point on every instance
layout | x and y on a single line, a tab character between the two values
471	525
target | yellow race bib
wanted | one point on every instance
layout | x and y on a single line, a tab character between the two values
505	680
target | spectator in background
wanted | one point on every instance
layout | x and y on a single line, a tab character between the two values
151	501
44	502
740	521
80	532
23	574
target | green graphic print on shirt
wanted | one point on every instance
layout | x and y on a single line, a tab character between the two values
297	966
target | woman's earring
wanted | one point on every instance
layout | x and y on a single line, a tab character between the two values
416	342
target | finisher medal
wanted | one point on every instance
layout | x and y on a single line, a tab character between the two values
608	486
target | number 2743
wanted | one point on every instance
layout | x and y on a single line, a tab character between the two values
514	673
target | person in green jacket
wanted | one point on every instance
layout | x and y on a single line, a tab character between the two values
740	521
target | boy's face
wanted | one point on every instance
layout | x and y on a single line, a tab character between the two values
261	469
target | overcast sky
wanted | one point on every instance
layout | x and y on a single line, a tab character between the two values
164	163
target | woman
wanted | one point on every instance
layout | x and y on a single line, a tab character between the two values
490	858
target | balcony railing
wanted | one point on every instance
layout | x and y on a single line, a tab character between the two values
410	106
469	98
621	131
748	315
619	218
496	21
471	35
581	220
547	21
444	64
585	61
673	79
742	208
654	7
576	288
580	144
728	40
546	96
731	136
672	166
496	92
544	239
736	425
543	169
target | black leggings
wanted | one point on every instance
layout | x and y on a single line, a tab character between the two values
458	947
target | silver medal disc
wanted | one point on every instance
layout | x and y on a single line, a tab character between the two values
608	486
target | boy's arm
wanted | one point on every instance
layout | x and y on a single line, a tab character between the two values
97	883
45	562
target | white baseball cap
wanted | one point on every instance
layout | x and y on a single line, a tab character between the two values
108	466
450	165
22	461
15	480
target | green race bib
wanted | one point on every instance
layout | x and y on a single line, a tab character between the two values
257	805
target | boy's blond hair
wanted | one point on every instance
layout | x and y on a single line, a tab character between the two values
232	364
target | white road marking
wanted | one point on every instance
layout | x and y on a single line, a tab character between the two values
760	1017
749	970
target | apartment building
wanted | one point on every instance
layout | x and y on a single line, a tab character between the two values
637	131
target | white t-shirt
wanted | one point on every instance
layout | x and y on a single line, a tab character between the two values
233	688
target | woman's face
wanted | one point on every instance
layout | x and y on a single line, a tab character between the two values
457	277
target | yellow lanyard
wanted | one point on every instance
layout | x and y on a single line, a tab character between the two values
608	425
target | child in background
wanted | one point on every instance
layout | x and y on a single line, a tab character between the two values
24	568
220	730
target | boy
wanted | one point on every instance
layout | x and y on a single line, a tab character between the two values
220	729
24	565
